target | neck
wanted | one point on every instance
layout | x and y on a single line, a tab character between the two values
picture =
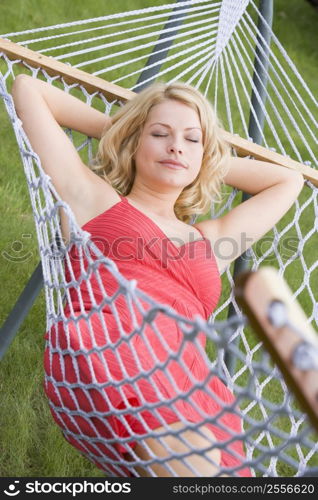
161	204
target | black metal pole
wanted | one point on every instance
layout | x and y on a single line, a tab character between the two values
150	74
20	309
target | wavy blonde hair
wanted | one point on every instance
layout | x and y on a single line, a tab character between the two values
115	158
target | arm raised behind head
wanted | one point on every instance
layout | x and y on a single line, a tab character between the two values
43	110
274	189
254	176
66	109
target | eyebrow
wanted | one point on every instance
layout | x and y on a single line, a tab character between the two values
168	126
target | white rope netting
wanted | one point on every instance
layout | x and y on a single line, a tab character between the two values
213	49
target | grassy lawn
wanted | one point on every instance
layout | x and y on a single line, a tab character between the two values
30	443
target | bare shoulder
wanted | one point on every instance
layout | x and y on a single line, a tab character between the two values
93	196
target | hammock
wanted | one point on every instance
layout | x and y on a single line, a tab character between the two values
228	50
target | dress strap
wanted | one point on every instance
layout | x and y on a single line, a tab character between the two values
199	231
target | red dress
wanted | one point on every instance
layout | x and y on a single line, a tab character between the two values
105	382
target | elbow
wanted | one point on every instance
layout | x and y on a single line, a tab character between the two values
295	181
299	180
19	92
20	81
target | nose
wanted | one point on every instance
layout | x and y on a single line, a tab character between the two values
175	146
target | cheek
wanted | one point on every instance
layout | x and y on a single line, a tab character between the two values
144	156
145	150
198	158
197	165
140	153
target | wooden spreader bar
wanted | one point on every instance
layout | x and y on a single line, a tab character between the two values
282	333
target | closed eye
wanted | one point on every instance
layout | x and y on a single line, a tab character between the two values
156	134
166	135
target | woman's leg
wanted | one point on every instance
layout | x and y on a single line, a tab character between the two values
204	465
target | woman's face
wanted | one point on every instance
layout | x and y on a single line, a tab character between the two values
170	149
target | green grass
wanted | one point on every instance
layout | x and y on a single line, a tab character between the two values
30	443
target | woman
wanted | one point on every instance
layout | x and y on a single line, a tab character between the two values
161	158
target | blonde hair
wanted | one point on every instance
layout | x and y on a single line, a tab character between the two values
115	159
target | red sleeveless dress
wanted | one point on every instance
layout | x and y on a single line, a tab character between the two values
98	394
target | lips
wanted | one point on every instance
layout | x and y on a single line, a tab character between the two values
173	163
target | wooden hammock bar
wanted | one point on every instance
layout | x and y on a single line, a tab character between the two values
257	292
92	83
